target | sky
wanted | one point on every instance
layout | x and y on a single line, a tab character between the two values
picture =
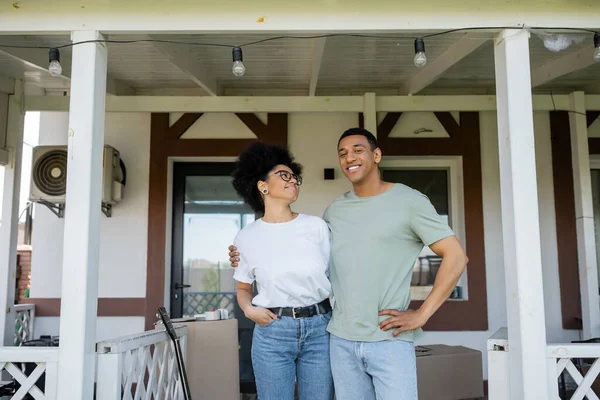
209	235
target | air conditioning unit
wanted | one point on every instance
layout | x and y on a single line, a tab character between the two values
113	177
49	177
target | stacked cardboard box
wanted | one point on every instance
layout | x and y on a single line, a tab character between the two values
449	372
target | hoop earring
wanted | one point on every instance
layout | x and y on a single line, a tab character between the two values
265	191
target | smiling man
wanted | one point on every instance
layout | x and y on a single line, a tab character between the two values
378	230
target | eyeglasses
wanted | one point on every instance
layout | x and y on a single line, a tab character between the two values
287	176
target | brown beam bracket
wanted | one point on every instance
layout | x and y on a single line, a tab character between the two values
181	126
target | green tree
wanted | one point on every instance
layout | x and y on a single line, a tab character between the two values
210	280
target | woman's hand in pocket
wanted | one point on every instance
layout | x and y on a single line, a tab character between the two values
260	315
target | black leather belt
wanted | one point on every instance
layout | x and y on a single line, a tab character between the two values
303	312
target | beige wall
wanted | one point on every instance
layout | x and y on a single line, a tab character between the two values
123	237
312	139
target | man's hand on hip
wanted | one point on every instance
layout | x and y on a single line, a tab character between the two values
403	320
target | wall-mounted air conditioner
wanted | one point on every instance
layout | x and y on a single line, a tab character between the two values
49	178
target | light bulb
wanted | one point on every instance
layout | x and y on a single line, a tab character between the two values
54	68
597	46
420	57
238	66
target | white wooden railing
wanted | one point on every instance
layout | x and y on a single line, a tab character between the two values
572	368
141	366
571	359
26	365
498	371
24	323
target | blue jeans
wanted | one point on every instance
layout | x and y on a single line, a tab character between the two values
288	349
374	370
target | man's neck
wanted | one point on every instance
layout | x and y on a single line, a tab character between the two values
371	187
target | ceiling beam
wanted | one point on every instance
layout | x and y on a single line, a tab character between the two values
182	59
118	88
38	59
286	104
562	66
318	51
467	44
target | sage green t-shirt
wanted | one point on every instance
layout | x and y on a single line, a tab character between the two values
375	242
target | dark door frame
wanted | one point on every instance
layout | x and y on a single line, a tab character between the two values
181	170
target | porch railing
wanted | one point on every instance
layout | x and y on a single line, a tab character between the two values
581	361
24	323
572	369
140	366
199	302
26	365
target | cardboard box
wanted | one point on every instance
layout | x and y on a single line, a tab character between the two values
212	359
449	372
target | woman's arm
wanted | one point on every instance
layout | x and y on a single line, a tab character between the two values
244	296
259	315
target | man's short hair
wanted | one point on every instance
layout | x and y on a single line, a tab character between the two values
360	132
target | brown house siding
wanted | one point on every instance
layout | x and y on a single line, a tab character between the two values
165	142
564	203
464	140
23	275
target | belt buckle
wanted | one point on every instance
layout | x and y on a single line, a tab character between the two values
294	312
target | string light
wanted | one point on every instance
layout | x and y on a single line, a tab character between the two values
54	68
597	46
239	69
420	57
238	66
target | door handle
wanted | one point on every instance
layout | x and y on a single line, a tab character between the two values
180	286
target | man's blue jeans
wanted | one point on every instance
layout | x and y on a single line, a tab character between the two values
288	348
384	370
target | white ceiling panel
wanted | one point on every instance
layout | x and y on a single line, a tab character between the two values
350	64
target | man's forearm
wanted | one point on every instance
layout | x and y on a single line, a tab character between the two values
447	277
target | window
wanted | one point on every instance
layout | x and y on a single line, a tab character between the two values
440	179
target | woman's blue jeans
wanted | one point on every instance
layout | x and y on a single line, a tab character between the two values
291	349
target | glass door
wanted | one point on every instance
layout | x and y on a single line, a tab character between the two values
207	215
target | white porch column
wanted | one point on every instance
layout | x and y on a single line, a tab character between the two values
520	219
9	219
370	113
584	217
76	362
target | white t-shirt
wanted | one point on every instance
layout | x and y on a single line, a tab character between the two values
289	261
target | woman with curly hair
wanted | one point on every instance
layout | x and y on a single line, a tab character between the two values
287	255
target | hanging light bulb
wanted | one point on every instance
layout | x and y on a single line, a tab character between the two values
238	66
597	46
54	68
420	57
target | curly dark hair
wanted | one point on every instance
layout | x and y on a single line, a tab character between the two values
253	165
